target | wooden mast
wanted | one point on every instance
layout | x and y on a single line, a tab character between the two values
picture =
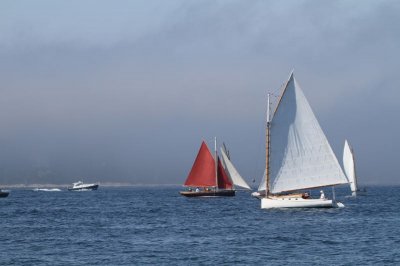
267	150
268	135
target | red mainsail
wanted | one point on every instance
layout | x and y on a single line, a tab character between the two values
203	169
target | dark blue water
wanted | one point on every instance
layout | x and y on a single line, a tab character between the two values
155	225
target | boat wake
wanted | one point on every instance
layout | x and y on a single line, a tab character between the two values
47	189
81	190
339	205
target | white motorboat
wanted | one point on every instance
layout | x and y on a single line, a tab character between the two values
82	186
4	193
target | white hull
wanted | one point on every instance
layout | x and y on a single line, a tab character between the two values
287	202
80	186
84	187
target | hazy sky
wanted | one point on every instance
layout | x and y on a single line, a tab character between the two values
124	91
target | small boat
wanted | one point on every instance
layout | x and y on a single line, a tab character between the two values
4	193
298	155
350	169
211	176
82	186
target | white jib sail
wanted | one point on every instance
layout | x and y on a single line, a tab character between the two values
300	154
349	166
262	186
232	172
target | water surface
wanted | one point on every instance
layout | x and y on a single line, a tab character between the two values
155	225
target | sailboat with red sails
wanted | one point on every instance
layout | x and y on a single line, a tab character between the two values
208	177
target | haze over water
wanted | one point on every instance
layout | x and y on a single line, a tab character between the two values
125	92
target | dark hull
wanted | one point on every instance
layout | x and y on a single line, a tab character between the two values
3	194
219	193
94	187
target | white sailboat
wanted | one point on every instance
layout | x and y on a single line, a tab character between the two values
298	155
350	168
233	174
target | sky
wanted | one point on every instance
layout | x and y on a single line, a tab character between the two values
125	91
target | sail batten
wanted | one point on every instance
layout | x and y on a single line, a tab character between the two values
301	157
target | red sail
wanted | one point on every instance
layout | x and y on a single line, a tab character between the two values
223	179
203	169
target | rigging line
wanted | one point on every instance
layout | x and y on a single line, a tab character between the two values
261	147
277	92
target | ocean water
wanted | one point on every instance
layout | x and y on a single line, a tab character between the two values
157	226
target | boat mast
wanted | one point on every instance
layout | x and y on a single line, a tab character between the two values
216	164
268	135
267	149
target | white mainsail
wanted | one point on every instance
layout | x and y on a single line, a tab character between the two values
232	172
349	166
262	186
300	154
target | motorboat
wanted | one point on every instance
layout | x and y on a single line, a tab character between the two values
82	186
4	193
